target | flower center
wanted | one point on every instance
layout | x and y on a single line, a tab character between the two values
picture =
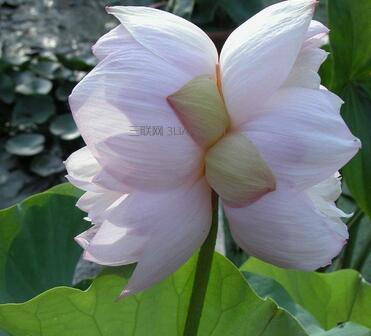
200	107
233	165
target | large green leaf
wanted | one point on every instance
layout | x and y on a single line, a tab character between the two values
231	308
350	36
37	250
267	287
332	298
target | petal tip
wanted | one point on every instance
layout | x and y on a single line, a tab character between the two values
125	293
109	9
357	143
82	242
89	257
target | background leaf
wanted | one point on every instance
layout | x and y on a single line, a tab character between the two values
46	164
37	250
65	127
34	109
241	10
6	88
182	8
29	84
25	144
332	298
350	33
267	287
231	308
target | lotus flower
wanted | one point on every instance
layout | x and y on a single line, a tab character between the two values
259	130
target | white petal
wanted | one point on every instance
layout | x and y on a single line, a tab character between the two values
82	167
324	195
95	204
316	34
124	94
284	228
85	173
180	223
107	182
302	136
170	37
258	56
115	40
305	70
316	29
84	238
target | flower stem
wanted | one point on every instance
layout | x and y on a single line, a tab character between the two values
204	261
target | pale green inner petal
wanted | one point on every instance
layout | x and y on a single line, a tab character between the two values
233	165
236	171
201	109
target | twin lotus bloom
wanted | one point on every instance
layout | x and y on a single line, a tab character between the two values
260	131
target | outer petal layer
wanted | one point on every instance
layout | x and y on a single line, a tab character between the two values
120	106
96	204
82	167
175	40
284	228
115	40
258	56
324	195
182	226
305	70
160	231
86	173
302	136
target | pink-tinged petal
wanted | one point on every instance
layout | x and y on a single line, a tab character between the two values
84	238
324	195
316	29
96	204
284	228
106	181
302	136
150	163
179	222
115	245
115	40
259	55
305	70
170	37
85	173
121	111
316	34
81	168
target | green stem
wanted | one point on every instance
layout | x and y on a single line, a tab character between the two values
204	261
